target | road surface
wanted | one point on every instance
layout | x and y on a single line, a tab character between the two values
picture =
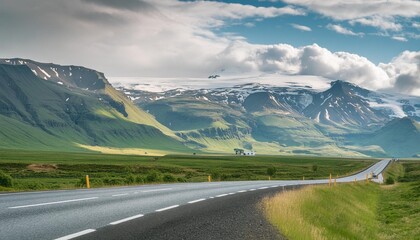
72	213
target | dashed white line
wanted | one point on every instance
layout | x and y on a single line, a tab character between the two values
252	189
167	208
51	203
157	190
198	200
241	191
127	219
118	195
78	234
221	195
211	197
263	188
231	193
274	186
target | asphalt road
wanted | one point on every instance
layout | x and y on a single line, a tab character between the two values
160	208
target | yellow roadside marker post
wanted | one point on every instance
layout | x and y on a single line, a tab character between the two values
209	178
87	181
355	179
303	178
269	178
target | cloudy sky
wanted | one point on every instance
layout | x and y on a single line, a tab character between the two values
374	43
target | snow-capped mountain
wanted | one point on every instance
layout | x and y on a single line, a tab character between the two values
342	103
292	117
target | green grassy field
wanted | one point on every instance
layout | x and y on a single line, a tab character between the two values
54	170
352	211
399	206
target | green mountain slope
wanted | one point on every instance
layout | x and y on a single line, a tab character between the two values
265	127
400	138
37	113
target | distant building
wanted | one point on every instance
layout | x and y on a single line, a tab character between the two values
249	153
239	151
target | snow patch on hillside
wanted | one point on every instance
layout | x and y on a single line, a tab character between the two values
44	72
165	84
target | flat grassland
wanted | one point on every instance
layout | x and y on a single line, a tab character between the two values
31	170
352	211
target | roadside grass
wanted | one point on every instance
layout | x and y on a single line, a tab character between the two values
32	170
351	211
320	212
399	206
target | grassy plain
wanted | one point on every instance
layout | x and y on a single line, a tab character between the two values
352	211
55	170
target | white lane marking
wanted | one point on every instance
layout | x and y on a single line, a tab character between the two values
50	203
252	189
211	197
221	195
167	208
263	188
274	186
127	219
198	200
231	193
118	195
241	191
78	234
157	190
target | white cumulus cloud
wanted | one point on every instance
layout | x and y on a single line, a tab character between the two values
170	38
404	72
301	27
354	9
399	38
342	30
308	60
384	23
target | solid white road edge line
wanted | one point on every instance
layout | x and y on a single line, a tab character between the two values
127	219
198	200
221	195
50	203
167	208
157	190
122	194
75	235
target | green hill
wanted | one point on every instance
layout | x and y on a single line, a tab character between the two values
43	114
399	138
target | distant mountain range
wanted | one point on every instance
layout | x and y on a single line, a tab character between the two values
70	108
